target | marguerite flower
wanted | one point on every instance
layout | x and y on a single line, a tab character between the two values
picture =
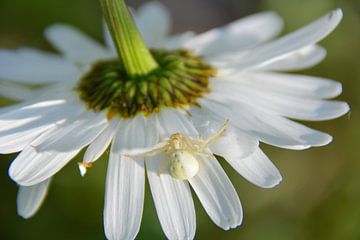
168	110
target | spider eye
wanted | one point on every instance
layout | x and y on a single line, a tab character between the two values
183	165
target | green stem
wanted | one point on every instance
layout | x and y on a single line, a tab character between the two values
132	50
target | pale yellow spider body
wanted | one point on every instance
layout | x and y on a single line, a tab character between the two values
181	153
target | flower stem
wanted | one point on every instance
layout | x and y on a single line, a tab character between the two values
132	50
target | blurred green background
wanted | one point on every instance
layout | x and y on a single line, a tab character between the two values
319	197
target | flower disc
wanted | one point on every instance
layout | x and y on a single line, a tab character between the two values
180	80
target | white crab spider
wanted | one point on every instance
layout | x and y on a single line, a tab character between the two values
181	152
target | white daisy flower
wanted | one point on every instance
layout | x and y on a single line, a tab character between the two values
168	110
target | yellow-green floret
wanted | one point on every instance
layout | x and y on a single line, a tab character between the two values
178	82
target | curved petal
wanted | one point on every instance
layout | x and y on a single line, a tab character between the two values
125	184
30	199
256	168
76	135
175	122
75	45
48	96
124	197
31	167
172	198
15	135
217	194
177	41
282	104
154	22
235	141
289	84
268	128
29	110
306	36
16	91
237	36
101	143
173	202
299	60
35	67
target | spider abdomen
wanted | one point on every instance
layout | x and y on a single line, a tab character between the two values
183	165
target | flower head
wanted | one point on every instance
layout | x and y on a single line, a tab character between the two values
166	115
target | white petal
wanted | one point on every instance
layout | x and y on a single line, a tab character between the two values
101	143
124	197
13	107
30	109
30	199
235	141
65	91
34	66
15	135
256	168
178	41
154	22
75	45
217	194
239	35
299	60
16	91
31	167
76	135
290	84
173	202
125	185
176	122
308	35
268	128
172	198
19	114
18	141
52	94
282	104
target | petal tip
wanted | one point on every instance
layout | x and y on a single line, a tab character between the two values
338	88
54	28
273	182
346	108
337	13
335	16
13	173
25	215
156	6
326	141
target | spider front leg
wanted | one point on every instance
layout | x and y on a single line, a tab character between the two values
160	147
204	154
197	147
214	138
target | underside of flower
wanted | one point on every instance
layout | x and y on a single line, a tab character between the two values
173	149
178	82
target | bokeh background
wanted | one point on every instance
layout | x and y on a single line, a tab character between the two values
319	197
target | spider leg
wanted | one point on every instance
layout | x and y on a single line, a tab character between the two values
194	145
214	138
151	152
204	154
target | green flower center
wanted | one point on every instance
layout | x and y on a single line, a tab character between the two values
178	82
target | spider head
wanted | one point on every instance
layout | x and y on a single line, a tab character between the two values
176	141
